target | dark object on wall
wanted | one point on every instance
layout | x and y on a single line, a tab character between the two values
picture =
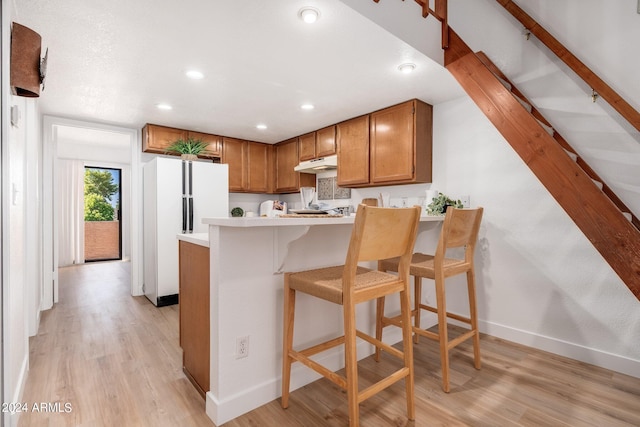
27	71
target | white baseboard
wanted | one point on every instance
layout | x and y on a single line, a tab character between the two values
595	357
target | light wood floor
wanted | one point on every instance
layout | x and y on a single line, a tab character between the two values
116	359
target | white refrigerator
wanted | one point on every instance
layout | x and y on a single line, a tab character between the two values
177	195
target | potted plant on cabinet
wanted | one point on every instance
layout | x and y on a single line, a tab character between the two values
187	148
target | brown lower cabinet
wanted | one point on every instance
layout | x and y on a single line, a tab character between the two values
194	314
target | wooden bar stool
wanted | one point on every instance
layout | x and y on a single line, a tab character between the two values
378	233
460	229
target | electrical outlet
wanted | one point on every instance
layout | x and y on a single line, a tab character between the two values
242	347
466	201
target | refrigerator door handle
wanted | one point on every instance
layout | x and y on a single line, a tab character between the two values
184	214
190	214
190	164
184	198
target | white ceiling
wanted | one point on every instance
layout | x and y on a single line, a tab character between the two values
114	61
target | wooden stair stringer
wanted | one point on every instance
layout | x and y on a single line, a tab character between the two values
615	238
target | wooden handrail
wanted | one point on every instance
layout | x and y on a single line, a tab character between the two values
596	83
440	14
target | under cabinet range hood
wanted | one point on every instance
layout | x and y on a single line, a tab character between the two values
318	165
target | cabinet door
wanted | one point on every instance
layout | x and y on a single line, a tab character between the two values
194	313
287	180
326	141
308	146
353	152
156	139
392	144
257	167
214	149
234	153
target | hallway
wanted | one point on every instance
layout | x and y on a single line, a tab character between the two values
114	359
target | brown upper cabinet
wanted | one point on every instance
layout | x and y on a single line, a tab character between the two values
248	165
156	139
353	152
316	144
307	146
326	141
234	153
214	143
387	147
286	158
258	167
401	144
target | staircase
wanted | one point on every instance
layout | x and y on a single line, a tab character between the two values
603	218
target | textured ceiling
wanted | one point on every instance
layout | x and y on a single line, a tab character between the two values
114	61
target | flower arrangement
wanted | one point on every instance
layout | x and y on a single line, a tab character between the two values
440	203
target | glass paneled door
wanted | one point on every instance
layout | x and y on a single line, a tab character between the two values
102	225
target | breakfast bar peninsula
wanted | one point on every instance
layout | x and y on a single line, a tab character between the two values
241	344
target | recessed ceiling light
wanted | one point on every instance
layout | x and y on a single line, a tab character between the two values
309	14
307	106
407	68
194	74
164	106
261	126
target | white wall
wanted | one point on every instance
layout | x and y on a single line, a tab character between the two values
540	281
20	231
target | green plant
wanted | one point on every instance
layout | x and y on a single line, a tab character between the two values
96	208
187	146
236	212
439	204
99	188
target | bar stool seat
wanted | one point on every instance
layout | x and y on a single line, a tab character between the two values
378	233
460	229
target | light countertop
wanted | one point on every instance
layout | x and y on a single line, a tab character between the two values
201	239
281	222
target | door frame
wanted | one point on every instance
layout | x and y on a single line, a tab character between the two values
50	126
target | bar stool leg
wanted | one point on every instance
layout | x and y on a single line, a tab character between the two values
405	307
442	330
379	327
473	311
351	363
287	338
417	295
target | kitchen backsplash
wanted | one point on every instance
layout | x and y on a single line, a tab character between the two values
400	195
328	192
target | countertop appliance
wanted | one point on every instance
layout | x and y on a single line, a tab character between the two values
177	195
271	208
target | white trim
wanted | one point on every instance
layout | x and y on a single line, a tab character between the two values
5	9
592	356
50	261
